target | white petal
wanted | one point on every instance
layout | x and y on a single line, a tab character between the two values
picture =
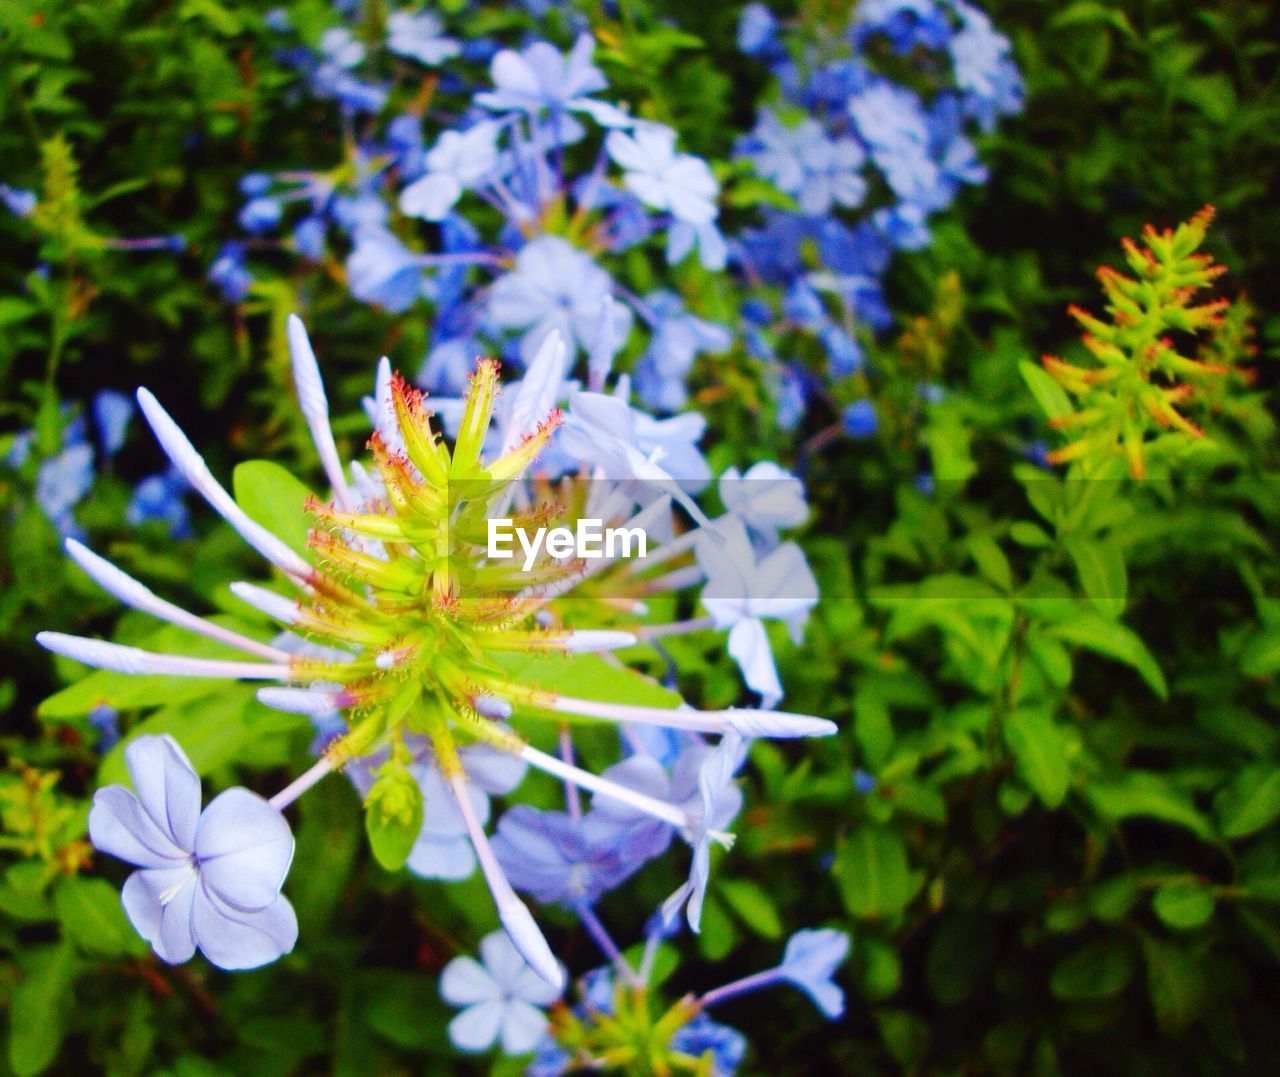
233	939
119	826
244	849
167	786
523	1027
749	647
465	982
476	1028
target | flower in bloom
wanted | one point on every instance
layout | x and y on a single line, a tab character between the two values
209	879
19	202
810	961
818	171
228	273
662	178
112	412
726	1045
719	801
540	79
766	498
554	286
419	38
741	591
678	337
501	995
455	163
382	270
406	643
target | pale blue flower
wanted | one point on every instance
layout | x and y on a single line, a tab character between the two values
382	270
560	859
757	29
702	1034
663	179
502	997
554	286
766	499
105	719
741	592
229	274
719	800
420	38
817	171
457	162
678	337
683	237
112	412
19	202
260	215
160	497
209	879
62	482
540	78
443	849
810	961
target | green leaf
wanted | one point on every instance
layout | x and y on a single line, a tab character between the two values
93	918
230	726
873	875
1097	970
1250	801
752	905
1113	640
1051	396
1141	793
991	561
879	967
1100	566
1175	982
1183	904
1261	655
274	498
587	676
1025	533
1040	749
40	1004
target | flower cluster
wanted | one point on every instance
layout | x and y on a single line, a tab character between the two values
868	135
429	665
621	1023
508	210
65	472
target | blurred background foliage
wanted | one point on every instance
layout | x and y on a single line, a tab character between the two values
1051	819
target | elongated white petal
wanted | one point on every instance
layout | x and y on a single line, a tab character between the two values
132	593
196	472
593	783
302	700
529	941
516	919
492	707
757	723
538	390
694	721
275	606
315	408
121	659
584	641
